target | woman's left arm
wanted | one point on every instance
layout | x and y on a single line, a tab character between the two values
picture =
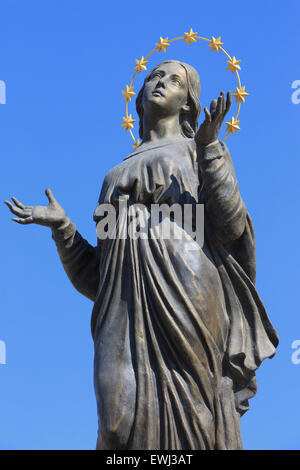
219	189
220	193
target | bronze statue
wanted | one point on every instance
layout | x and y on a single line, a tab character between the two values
178	333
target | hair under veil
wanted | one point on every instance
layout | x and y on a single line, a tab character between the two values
188	120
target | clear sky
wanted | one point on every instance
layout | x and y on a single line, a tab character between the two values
64	63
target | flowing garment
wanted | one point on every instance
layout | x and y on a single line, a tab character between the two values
178	332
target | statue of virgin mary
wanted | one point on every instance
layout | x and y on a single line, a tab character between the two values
179	329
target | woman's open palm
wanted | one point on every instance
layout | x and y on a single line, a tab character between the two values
211	126
49	216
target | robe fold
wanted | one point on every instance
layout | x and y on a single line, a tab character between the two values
179	329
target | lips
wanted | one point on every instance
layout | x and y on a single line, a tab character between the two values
158	92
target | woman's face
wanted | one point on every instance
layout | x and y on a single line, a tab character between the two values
166	90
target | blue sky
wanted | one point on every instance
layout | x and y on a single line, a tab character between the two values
64	64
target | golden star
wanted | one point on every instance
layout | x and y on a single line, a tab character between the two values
128	93
141	64
240	94
233	65
190	37
232	125
215	44
128	122
137	144
162	44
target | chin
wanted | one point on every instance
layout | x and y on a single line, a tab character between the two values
154	102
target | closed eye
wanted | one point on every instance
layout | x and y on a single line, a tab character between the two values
175	79
155	75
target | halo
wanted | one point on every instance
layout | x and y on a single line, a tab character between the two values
190	37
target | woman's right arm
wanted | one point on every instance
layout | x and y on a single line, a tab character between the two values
80	260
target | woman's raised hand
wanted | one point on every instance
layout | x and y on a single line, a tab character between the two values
50	216
210	128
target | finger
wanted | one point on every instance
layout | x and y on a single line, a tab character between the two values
18	203
219	107
28	220
222	94
50	196
8	203
213	106
15	210
207	115
228	103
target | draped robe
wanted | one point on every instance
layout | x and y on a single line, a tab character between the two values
178	333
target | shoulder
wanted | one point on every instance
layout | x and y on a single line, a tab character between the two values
178	143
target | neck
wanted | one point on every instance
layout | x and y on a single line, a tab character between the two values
162	128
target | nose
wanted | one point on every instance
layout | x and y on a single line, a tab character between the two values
161	83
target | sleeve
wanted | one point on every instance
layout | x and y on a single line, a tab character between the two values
79	259
220	193
225	209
